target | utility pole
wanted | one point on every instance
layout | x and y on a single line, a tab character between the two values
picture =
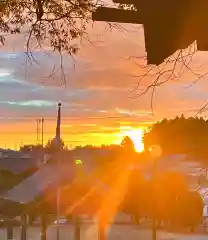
58	141
155	152
154	223
42	132
42	140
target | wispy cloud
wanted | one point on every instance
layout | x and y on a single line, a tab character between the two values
96	98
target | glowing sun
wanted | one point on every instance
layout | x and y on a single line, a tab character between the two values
136	136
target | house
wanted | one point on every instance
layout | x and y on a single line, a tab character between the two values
14	167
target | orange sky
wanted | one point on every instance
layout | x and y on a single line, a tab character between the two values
98	101
74	132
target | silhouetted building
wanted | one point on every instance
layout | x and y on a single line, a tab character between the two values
168	25
14	167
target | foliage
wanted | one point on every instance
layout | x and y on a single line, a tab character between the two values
189	210
167	197
169	186
51	146
53	22
127	144
135	202
30	148
129	7
179	135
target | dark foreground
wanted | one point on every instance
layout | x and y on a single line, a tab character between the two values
89	232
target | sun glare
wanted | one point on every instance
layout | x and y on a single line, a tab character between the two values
136	136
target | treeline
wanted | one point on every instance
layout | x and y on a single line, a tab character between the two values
179	135
51	146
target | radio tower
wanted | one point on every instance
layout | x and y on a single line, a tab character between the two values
40	131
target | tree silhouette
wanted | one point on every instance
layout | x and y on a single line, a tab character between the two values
127	144
135	202
169	186
52	147
30	148
179	135
189	210
52	22
174	204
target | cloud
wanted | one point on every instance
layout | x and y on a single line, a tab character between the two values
98	91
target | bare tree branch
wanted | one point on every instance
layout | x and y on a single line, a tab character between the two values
171	70
57	24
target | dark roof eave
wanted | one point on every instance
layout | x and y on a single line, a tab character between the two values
11	208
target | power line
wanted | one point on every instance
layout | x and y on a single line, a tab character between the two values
74	118
38	131
65	132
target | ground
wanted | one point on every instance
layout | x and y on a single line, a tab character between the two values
123	230
89	232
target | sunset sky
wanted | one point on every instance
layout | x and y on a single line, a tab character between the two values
98	102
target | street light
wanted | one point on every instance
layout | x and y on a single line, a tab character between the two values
155	151
78	162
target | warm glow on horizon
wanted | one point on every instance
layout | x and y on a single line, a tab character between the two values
16	134
136	136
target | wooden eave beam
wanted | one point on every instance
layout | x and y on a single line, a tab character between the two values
116	15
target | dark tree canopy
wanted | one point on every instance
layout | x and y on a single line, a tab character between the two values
179	135
189	210
127	144
51	146
172	200
30	148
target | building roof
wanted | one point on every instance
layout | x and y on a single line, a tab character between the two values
46	177
17	162
35	185
17	165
